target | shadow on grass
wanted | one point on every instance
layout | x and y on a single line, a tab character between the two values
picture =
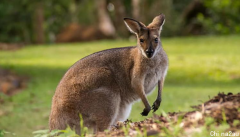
45	76
196	78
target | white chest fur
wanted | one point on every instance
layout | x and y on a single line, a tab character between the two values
153	76
151	80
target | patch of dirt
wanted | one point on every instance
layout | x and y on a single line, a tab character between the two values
11	83
76	33
10	46
223	107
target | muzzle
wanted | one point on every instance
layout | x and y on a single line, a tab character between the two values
149	52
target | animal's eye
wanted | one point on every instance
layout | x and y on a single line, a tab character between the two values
141	40
156	40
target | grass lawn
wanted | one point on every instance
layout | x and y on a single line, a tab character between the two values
199	67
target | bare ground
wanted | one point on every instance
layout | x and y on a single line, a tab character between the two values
221	108
10	83
10	46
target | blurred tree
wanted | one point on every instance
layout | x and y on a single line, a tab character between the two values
223	17
189	15
105	23
38	21
57	15
27	21
119	11
74	10
165	7
15	21
136	9
151	8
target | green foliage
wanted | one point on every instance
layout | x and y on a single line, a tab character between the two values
15	23
17	16
126	130
83	129
222	18
56	14
174	128
89	7
58	133
68	132
46	133
139	133
236	122
198	67
3	133
17	19
210	125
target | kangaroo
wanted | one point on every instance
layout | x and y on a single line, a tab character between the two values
103	86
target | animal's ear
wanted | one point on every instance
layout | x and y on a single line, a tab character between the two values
133	25
158	22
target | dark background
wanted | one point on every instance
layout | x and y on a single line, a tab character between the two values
48	21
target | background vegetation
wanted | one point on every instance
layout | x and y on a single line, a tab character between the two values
199	67
29	21
201	38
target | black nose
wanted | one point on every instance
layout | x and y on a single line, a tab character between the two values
149	52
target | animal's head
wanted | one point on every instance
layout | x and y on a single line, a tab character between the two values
147	36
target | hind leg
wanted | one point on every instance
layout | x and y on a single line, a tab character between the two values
65	113
60	118
124	112
101	106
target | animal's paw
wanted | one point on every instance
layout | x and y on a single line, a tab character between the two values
156	105
145	111
119	124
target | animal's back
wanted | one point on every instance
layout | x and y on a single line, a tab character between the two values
97	74
114	64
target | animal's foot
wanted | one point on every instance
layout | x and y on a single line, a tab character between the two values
156	105
145	111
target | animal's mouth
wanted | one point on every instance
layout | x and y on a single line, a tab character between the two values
149	53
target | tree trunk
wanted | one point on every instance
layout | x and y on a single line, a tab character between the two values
161	6
120	13
74	9
136	9
105	24
144	11
38	23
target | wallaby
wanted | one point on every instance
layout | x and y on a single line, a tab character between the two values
103	86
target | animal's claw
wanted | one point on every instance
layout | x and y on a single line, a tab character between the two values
156	105
145	112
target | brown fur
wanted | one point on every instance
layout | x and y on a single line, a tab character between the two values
102	86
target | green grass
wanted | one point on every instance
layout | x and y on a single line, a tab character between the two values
199	67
